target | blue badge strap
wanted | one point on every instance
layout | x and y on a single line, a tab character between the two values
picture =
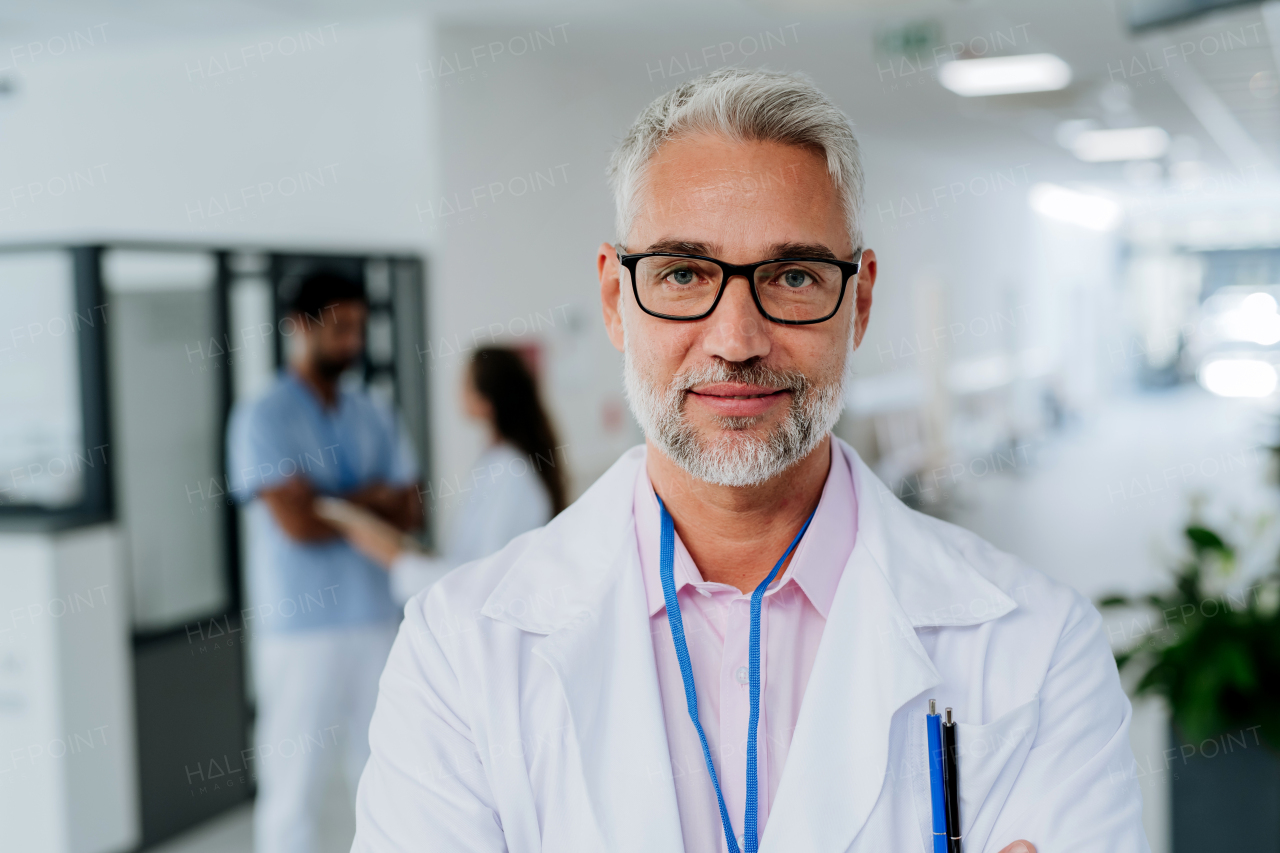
749	819
666	552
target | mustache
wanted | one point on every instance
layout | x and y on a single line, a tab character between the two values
748	373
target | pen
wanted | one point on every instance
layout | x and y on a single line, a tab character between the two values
951	783
933	723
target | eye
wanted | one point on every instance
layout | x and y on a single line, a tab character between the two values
795	278
682	277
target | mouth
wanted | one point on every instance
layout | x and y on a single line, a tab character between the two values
736	399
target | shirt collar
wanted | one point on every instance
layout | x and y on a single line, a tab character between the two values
307	393
815	568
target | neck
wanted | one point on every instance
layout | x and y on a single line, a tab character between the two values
325	387
735	534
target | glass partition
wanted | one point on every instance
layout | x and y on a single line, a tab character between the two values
167	426
43	456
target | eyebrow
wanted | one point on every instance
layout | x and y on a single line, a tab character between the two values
777	250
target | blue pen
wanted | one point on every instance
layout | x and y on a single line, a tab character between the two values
934	725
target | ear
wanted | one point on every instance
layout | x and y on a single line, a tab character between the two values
862	296
610	271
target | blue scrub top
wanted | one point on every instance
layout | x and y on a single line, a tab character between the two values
295	586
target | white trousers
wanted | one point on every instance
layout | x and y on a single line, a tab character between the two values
316	692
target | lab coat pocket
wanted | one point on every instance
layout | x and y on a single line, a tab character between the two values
990	758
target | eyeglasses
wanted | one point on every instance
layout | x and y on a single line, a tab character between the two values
791	291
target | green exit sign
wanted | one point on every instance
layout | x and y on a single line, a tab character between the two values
910	39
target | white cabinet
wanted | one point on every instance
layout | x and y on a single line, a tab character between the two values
68	775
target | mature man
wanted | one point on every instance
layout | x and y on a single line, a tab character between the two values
322	614
662	666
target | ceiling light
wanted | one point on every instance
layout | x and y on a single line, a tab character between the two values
1005	75
1084	209
1238	377
1130	143
1255	320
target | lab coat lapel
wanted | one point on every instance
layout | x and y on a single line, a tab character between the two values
586	570
869	664
605	663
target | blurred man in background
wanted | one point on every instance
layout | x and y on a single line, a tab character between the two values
324	617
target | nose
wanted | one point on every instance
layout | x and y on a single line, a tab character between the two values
738	331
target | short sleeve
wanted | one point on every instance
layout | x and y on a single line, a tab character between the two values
259	453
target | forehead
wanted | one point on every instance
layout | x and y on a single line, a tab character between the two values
738	197
342	312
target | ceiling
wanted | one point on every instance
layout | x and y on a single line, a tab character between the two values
1219	98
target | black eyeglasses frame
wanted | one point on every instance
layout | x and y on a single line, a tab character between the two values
747	271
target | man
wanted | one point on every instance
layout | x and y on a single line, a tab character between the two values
323	616
599	684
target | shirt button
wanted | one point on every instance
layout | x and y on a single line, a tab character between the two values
741	675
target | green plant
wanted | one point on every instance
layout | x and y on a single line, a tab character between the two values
1215	657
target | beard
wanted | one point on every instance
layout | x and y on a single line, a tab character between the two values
332	368
733	453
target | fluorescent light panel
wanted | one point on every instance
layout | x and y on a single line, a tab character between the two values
1005	75
1090	211
1238	377
1129	143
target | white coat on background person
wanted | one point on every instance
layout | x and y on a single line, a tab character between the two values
508	490
504	499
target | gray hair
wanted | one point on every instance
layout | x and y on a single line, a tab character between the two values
742	105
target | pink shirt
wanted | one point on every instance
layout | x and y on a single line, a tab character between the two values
716	625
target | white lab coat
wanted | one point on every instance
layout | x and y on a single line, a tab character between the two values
520	711
500	498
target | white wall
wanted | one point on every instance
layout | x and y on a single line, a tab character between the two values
158	140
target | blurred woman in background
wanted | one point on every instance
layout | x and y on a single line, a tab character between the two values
518	483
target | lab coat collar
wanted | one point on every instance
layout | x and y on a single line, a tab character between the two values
570	564
579	583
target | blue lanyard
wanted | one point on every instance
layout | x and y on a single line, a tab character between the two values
667	551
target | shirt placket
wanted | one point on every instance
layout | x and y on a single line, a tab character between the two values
735	713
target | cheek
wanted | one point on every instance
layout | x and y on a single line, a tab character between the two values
672	353
658	345
823	359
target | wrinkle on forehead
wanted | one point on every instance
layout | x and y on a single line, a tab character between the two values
726	190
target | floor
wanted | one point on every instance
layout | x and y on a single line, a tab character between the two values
232	832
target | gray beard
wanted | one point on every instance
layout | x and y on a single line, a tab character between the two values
734	457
